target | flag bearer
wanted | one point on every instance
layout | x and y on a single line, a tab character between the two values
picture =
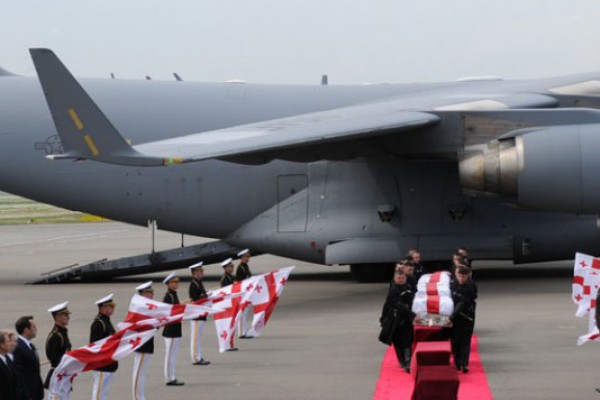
196	293
57	342
243	272
101	328
172	332
143	355
227	278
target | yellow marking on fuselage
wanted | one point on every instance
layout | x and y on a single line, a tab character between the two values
76	119
173	160
92	146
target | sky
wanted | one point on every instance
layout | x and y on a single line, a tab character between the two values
297	41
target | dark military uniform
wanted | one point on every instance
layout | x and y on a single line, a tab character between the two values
197	292
227	279
173	330
396	321
101	328
147	347
57	344
242	272
463	321
420	270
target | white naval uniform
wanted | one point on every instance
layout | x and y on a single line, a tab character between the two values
196	331
102	382
172	345
138	382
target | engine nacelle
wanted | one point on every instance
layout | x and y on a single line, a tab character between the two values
553	168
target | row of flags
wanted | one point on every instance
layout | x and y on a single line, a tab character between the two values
586	281
146	316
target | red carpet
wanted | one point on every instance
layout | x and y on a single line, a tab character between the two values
396	384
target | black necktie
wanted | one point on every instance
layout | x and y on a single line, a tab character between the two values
34	349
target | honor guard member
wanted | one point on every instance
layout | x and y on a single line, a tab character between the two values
143	354
227	278
102	328
243	272
197	292
464	295
57	342
172	332
27	360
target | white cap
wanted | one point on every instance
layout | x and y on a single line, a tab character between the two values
105	300
197	265
241	253
144	286
62	307
226	262
169	277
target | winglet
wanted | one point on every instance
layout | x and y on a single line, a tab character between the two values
84	130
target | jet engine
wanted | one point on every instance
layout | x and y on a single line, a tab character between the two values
550	168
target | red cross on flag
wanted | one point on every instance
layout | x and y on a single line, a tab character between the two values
265	297
586	279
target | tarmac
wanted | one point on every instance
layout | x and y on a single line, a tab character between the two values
321	342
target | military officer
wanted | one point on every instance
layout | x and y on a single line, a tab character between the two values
227	278
102	328
243	272
172	332
57	342
143	355
196	293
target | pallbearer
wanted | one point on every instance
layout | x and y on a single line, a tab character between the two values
101	328
197	292
172	332
143	355
57	343
243	272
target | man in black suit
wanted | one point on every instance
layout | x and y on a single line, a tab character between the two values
11	386
27	360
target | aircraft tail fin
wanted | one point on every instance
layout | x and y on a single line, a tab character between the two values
84	130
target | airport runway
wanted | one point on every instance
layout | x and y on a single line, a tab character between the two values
322	340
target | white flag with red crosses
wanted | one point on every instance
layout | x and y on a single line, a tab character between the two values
142	308
266	294
237	298
104	352
586	281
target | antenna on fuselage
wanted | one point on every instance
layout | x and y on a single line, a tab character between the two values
324	80
177	77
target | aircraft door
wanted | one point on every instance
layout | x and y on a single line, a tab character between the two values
292	203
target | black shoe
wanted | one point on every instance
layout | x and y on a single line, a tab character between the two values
465	370
175	383
232	349
201	362
598	389
246	337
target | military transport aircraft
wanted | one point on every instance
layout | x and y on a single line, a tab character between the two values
328	174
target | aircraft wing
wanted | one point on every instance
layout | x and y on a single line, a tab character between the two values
268	137
86	133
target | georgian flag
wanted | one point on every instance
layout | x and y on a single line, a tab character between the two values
265	297
236	298
104	352
586	280
434	295
142	308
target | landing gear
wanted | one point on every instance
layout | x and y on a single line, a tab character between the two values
370	273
